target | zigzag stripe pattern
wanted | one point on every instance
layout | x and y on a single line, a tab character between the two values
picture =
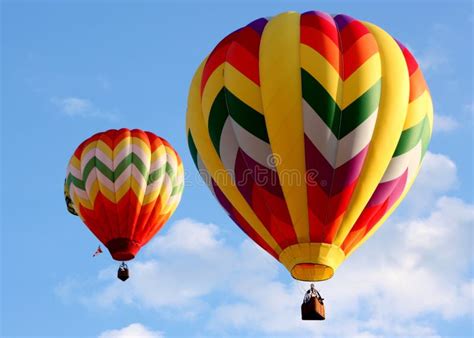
329	129
338	129
124	184
406	159
224	202
237	127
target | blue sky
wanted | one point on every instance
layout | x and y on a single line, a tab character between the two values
71	69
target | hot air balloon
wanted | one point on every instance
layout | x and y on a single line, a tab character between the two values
309	130
124	185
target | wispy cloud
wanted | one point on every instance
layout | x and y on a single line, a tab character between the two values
79	107
414	269
445	124
438	175
434	56
135	330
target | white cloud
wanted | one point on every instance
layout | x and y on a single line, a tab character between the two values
416	269
187	235
73	106
135	330
432	58
445	123
437	176
78	107
410	272
189	262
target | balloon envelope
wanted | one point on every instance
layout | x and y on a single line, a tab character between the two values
124	185
309	129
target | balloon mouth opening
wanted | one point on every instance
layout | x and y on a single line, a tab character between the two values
312	261
123	249
310	272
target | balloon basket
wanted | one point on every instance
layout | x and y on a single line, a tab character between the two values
123	273
313	310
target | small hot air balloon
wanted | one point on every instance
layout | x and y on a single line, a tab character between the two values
124	185
309	129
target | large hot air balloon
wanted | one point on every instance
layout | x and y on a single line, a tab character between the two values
309	130
124	185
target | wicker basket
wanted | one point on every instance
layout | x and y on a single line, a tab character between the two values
313	310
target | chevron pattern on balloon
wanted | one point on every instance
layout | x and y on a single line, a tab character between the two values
304	93
406	159
131	176
236	124
224	202
341	91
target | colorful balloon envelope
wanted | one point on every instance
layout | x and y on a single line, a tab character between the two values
309	130
124	185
